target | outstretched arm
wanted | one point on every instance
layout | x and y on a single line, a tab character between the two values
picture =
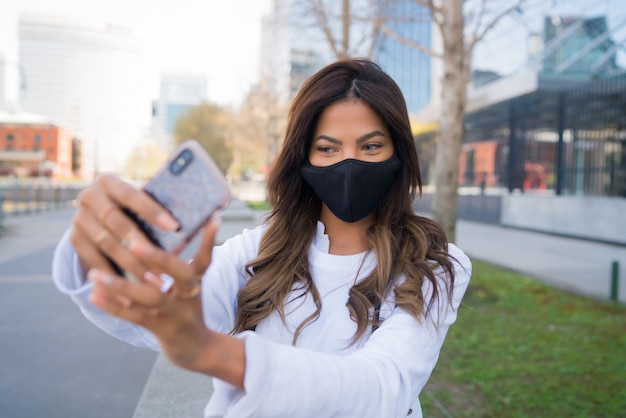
175	317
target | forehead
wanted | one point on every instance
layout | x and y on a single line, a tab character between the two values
352	114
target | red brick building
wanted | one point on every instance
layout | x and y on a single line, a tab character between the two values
31	145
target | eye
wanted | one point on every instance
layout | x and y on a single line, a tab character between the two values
324	149
372	146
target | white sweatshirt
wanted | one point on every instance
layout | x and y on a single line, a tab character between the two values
323	376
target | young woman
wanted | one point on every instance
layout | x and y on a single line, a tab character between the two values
336	306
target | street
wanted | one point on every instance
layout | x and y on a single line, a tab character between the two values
53	362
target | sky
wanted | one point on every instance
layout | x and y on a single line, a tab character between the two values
219	38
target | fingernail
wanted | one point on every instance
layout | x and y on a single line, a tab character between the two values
152	278
166	222
100	277
168	282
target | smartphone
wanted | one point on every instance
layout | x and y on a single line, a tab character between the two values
192	188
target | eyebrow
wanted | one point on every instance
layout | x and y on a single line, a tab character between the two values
358	141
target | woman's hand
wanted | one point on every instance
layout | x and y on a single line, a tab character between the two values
174	317
102	230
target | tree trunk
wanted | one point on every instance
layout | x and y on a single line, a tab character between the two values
454	83
345	23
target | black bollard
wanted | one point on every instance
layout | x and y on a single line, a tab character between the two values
614	280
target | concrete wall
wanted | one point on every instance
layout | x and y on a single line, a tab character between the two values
597	218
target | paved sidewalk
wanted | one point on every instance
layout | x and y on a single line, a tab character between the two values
576	265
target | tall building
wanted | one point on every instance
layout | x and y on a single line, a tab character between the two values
408	66
294	46
289	53
178	93
578	47
85	76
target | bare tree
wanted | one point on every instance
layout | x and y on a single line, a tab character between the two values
462	24
353	29
459	42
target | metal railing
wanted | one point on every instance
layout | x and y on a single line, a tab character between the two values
19	199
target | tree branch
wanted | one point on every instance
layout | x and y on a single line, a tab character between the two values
317	7
478	36
345	22
387	31
377	22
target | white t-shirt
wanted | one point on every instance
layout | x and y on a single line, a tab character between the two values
381	375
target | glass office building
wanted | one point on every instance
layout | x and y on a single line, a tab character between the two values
86	76
557	140
560	130
408	66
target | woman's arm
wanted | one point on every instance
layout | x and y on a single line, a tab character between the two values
174	317
69	280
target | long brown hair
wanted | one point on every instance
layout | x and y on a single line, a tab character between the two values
404	243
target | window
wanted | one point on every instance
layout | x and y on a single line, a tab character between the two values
9	142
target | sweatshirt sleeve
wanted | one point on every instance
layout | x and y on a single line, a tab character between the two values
220	286
69	280
382	379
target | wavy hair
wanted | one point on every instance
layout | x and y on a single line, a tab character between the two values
404	244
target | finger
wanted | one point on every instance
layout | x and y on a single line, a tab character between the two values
109	201
120	202
88	255
183	273
202	258
118	308
100	239
139	296
155	281
139	202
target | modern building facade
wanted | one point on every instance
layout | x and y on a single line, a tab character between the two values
408	66
178	93
85	76
560	129
290	53
294	46
557	140
578	48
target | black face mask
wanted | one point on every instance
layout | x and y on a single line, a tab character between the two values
352	188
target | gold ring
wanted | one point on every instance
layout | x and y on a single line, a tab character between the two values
101	236
105	213
194	292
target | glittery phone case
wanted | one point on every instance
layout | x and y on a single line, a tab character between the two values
191	192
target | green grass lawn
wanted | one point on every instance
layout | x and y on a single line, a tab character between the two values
523	349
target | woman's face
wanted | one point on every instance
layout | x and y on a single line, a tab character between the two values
350	129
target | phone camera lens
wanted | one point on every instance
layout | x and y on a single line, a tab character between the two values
181	162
